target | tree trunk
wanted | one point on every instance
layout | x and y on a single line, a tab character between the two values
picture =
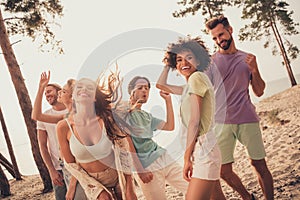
8	166
10	148
4	184
283	53
24	101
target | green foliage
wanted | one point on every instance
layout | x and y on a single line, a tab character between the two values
207	7
264	15
270	19
268	16
35	19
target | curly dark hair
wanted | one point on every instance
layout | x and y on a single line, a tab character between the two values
195	45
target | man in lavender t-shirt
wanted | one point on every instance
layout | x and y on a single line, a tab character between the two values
231	73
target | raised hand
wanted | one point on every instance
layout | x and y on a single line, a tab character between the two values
251	62
135	103
44	79
170	59
165	95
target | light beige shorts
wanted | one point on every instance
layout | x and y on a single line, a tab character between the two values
207	158
92	182
109	178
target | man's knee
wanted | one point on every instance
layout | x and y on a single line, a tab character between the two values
226	171
260	166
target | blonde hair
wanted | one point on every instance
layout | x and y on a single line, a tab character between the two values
71	84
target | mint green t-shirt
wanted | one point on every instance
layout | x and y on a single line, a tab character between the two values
199	84
144	123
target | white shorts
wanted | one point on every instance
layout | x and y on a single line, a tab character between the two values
165	171
207	158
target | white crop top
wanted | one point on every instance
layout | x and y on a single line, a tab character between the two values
86	154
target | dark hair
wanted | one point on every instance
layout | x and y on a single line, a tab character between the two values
213	22
55	85
133	81
195	45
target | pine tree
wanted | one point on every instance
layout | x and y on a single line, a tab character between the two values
29	18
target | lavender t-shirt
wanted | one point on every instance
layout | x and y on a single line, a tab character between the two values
231	77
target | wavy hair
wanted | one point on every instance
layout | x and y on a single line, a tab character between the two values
213	22
109	93
195	45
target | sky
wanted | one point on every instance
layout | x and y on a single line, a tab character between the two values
86	27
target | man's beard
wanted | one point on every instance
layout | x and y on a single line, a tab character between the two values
228	43
54	102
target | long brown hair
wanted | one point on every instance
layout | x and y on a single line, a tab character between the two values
109	92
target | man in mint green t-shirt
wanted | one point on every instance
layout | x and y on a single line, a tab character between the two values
152	157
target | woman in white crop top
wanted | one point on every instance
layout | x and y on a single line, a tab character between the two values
89	138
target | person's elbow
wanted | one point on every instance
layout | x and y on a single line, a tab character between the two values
159	86
165	87
33	116
169	127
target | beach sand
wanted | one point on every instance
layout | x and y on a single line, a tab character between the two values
280	123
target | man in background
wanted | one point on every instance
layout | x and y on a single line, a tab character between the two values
48	142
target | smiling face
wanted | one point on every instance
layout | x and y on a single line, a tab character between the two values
84	91
186	63
222	36
51	95
65	95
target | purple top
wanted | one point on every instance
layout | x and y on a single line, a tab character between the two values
231	77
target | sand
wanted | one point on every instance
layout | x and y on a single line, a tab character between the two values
280	123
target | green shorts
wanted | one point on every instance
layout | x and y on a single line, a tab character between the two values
248	134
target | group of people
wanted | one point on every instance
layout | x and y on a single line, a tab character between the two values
95	145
